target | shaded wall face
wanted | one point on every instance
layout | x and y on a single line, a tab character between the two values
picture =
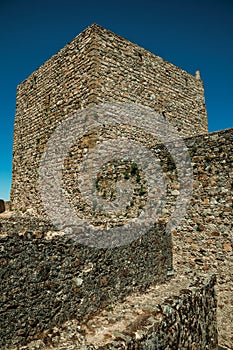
48	281
97	66
45	99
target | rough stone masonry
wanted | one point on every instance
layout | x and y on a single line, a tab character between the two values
99	66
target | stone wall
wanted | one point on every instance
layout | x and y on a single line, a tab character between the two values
183	321
182	317
210	208
48	278
20	224
97	66
203	241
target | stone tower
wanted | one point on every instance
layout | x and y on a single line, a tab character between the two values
96	66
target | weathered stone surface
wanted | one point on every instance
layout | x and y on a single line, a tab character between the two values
97	66
182	317
2	206
46	281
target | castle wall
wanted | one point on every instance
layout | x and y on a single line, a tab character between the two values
203	241
97	66
210	208
48	279
182	317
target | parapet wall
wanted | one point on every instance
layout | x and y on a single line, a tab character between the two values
182	317
48	280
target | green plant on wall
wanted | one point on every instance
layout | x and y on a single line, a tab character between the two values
170	163
134	169
142	191
97	186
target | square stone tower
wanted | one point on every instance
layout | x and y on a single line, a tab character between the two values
96	66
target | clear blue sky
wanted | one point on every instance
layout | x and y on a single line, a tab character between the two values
192	34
